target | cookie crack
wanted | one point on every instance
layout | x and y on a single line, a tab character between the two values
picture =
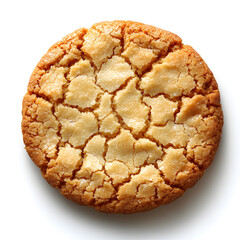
159	59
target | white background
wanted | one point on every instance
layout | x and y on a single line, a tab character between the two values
31	209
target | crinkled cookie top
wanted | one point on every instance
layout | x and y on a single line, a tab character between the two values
122	116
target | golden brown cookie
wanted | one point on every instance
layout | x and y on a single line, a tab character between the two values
122	116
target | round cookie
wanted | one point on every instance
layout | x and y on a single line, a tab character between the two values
122	116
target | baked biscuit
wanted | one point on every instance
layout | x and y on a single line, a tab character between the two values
122	117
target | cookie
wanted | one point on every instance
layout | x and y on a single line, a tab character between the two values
122	117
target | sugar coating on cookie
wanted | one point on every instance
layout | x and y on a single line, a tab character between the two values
122	117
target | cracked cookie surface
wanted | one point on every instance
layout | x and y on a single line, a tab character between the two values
122	117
